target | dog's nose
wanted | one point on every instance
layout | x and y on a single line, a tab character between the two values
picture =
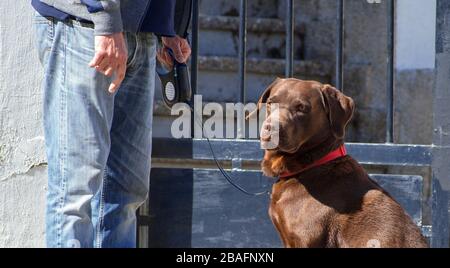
265	133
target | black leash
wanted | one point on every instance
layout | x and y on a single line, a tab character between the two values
222	170
228	177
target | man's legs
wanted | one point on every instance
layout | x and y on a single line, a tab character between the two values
78	115
126	181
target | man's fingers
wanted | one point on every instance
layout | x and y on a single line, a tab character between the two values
186	56
164	58
178	54
103	66
186	50
98	58
109	71
110	57
120	75
160	55
114	86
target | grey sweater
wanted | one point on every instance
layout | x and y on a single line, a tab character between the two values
108	16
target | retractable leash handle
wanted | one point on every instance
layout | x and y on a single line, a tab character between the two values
175	83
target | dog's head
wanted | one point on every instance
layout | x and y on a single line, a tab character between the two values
305	114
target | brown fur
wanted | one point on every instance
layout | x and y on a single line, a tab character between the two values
336	204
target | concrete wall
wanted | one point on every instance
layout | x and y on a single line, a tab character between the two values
22	157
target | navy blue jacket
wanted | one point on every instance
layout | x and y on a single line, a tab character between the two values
158	19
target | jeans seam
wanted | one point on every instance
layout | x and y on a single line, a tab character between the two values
51	29
101	210
63	137
50	34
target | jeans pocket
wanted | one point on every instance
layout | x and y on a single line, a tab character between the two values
132	43
44	28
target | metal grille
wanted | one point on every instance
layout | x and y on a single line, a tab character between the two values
434	156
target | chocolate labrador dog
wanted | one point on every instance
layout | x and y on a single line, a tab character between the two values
323	197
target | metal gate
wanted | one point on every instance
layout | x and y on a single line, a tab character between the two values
197	208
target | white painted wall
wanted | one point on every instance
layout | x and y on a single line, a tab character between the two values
22	157
416	24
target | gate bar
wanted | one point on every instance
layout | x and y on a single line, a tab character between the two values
242	63
390	73
340	45
441	122
365	153
289	72
242	48
194	63
194	46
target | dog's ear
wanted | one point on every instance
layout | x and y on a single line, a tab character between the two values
266	93
340	109
264	97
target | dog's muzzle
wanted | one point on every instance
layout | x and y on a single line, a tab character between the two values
270	132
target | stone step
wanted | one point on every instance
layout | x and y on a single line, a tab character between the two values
218	78
219	36
254	24
264	66
255	8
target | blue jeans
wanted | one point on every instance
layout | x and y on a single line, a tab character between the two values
98	144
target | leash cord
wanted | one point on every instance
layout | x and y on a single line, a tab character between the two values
228	178
221	169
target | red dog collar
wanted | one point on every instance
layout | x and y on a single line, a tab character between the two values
339	152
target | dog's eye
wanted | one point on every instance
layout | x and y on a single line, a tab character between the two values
302	107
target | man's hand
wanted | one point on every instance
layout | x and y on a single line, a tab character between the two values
110	58
180	48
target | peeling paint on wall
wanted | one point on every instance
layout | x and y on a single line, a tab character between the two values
22	155
21	158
